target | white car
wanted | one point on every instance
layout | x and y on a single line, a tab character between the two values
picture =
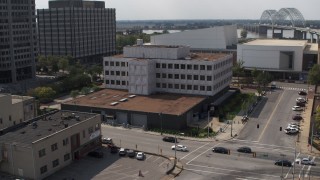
179	148
140	156
107	141
290	130
305	161
293	126
301	100
297	108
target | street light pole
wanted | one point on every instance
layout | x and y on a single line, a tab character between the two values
208	122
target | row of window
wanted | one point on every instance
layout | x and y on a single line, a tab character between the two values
184	86
117	63
184	76
55	163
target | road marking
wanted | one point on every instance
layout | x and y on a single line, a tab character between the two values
274	110
222	173
194	151
156	159
149	157
201	153
256	142
308	170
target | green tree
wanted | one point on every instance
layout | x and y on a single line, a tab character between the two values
317	118
238	70
63	63
314	75
244	33
74	93
263	79
44	92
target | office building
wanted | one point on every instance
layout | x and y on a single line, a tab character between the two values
18	43
46	144
84	30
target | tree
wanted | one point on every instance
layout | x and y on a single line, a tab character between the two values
263	79
317	118
74	93
314	75
63	63
244	33
44	92
238	70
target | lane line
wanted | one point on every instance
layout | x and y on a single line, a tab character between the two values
271	116
157	159
149	157
308	170
194	151
202	153
256	142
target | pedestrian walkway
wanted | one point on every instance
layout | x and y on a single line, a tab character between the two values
292	88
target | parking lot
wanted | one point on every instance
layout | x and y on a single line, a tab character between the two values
114	167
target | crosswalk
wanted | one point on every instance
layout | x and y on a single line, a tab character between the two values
291	88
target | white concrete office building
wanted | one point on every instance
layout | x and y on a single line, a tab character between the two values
150	69
215	38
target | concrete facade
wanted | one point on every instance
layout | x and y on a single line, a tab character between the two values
149	69
49	143
218	37
16	109
18	40
81	29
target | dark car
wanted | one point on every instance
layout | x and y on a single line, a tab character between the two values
131	153
302	93
114	149
301	104
96	154
297	117
244	149
283	162
221	150
169	139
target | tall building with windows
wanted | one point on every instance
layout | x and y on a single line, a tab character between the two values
82	29
17	40
150	69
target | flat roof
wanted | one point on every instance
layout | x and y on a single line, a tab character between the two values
26	134
165	103
277	42
311	49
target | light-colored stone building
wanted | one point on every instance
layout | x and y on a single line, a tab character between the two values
48	143
16	109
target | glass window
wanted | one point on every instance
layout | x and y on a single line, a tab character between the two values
123	64
176	86
176	66
106	72
195	87
189	87
209	67
117	64
202	67
43	169
164	85
164	65
176	76
54	147
195	77
202	78
157	65
111	63
209	88
164	75
183	76
157	75
66	157
183	86
55	163
189	66
170	76
183	66
106	63
209	78
195	67
158	85
169	66
42	152
189	77
65	141
202	88
170	86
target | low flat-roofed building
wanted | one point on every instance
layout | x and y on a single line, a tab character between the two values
41	146
286	59
16	109
171	111
148	69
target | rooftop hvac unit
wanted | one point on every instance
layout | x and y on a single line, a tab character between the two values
132	96
123	100
114	103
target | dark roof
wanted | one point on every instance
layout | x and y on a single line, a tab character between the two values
43	126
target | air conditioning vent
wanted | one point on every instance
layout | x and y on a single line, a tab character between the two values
114	103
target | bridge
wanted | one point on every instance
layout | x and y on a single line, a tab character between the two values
284	19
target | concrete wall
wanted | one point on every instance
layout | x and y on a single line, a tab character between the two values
268	57
155	52
218	37
284	61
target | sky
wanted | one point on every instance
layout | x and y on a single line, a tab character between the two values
203	9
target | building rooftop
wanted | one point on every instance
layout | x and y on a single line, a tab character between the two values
276	42
193	56
45	126
311	49
165	103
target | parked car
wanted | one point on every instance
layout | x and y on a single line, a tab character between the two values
294	126
114	149
107	141
140	156
297	117
244	149
169	139
291	130
301	100
301	104
131	153
283	163
297	108
221	150
302	93
122	152
96	153
179	148
305	161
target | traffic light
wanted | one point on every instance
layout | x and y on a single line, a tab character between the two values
280	128
257	126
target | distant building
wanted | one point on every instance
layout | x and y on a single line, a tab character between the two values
46	144
16	109
85	30
215	38
285	59
151	69
18	40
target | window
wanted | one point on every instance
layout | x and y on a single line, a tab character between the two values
209	88
0	120
55	163
183	86
209	67
183	76
170	76
117	64
164	75
123	73
164	65
9	117
118	82
65	141
43	169
170	85
111	63
202	88
42	152
118	73
202	78
66	157
169	66
176	66
189	77
202	67
123	64
195	67
90	130
189	66
164	85
195	87
112	81
157	75
176	86
54	147
189	87
209	78
106	72
123	83
195	77
112	73
106	63
183	66
97	127
157	65
176	76
158	85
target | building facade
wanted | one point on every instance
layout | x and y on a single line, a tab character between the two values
215	38
18	40
48	143
150	69
16	109
81	29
